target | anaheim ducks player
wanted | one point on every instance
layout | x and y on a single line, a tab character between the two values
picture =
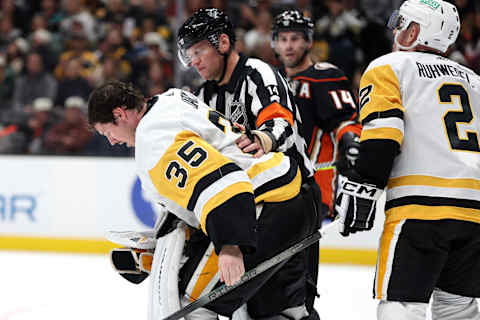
323	96
325	102
420	140
241	209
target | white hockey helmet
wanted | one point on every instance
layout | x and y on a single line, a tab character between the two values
439	22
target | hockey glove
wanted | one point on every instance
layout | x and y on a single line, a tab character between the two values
132	264
348	153
355	204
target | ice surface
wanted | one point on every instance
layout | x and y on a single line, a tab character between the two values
36	286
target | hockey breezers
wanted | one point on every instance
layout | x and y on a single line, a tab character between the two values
252	273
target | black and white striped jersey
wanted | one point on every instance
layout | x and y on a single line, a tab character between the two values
258	97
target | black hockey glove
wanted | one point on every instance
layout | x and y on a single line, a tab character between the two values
132	264
355	203
348	153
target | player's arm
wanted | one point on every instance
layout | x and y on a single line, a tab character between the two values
381	115
273	109
200	179
336	111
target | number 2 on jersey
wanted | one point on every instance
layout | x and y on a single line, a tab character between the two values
453	117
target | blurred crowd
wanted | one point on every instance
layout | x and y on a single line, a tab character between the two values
54	52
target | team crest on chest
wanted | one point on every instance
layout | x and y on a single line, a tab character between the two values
236	112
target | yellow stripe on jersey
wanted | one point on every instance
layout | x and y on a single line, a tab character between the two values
258	168
169	188
221	197
421	180
385	93
421	212
384	256
208	272
382	133
284	193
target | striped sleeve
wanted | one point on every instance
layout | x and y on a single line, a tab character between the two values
200	179
271	104
381	109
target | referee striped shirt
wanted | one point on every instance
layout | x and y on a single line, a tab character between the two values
258	97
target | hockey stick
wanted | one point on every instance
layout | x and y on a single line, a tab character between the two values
252	273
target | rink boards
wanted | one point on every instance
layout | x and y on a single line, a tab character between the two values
67	204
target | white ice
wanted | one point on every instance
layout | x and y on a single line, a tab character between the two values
37	286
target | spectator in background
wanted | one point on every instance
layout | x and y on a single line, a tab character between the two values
71	135
374	40
464	7
15	134
40	121
157	46
109	69
156	83
16	51
115	12
16	13
8	32
340	28
52	14
41	41
77	46
158	50
148	8
34	84
73	83
40	25
76	13
150	17
471	40
39	22
7	81
152	48
257	40
114	46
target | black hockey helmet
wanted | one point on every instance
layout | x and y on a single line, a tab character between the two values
204	24
292	20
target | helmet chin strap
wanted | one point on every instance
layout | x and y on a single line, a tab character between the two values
224	69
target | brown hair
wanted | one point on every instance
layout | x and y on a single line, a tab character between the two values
109	96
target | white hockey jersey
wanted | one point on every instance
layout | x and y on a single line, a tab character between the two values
430	105
188	161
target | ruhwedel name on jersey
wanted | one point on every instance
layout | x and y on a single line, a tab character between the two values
433	71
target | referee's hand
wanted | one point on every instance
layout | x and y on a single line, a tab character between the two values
246	144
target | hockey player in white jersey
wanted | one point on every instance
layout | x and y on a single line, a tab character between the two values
420	142
236	210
